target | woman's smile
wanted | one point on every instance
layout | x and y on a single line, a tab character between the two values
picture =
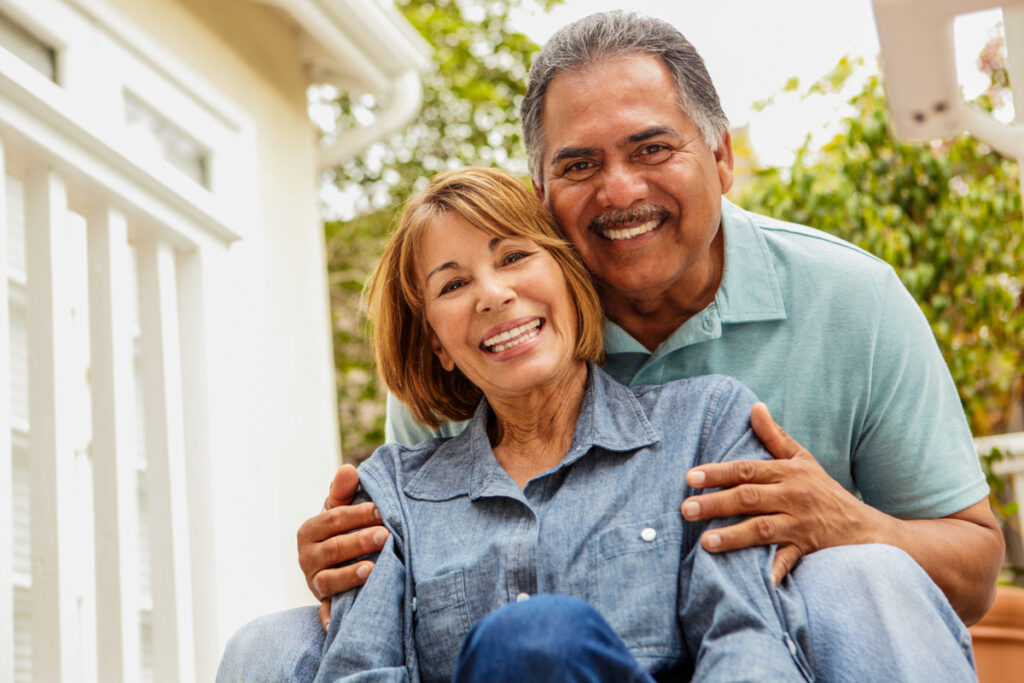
511	335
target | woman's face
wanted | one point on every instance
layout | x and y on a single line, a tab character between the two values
500	308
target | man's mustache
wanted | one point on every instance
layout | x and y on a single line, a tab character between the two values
634	214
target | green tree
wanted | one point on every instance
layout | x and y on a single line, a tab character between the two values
946	215
469	117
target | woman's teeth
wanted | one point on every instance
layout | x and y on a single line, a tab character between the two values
509	338
627	233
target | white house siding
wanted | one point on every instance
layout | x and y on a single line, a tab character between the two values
165	352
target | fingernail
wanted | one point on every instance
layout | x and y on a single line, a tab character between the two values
695	478
363	570
691	509
714	540
379	538
376	514
776	579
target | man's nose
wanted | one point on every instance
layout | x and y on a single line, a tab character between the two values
494	294
621	186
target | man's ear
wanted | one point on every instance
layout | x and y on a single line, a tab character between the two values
442	355
723	160
538	190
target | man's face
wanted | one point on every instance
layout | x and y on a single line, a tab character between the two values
629	177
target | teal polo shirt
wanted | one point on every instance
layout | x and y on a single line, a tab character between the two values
827	336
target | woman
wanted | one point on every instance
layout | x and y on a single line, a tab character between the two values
480	310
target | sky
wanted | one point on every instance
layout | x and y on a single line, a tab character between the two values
752	47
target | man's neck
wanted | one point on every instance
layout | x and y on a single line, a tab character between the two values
652	317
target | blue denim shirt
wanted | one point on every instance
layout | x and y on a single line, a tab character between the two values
602	525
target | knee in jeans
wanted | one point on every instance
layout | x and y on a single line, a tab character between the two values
545	626
862	565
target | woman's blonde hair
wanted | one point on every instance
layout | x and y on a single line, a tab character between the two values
498	204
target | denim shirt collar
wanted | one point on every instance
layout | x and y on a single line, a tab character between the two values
610	418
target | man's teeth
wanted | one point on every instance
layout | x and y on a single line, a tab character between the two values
509	338
627	233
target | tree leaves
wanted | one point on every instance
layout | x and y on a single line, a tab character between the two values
946	215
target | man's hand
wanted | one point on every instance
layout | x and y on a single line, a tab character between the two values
792	501
324	541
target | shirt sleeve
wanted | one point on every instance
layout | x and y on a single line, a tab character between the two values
736	628
915	457
369	638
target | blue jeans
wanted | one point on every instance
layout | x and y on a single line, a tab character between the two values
869	613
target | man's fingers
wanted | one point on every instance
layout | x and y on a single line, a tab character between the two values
317	558
786	557
325	613
780	444
733	473
340	579
742	500
338	520
759	530
343	487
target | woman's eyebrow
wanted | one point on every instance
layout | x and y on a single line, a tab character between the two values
447	265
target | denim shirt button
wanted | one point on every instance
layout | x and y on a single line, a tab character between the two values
648	534
791	645
522	596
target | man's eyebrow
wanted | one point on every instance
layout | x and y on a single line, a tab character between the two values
652	132
572	153
647	134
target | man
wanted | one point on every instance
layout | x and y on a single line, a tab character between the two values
634	169
629	148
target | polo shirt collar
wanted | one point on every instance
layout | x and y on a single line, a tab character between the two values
610	417
749	291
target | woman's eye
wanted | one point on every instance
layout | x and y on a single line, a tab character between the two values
515	256
451	286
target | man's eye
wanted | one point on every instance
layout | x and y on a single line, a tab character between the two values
579	170
653	153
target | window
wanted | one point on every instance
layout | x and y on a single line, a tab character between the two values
28	48
153	132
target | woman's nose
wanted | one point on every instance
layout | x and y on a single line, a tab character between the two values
495	294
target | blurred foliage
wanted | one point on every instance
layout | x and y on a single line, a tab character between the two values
945	214
470	116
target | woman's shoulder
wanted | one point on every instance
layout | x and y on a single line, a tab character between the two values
700	397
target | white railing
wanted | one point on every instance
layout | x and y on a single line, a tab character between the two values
83	593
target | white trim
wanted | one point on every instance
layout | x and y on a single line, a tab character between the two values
28	117
6	476
163	62
173	645
362	45
51	450
113	453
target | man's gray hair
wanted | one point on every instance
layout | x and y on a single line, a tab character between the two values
607	35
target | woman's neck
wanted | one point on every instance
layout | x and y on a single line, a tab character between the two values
533	432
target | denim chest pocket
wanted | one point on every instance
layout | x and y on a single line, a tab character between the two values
442	621
634	583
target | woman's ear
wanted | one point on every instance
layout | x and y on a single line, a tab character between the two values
442	355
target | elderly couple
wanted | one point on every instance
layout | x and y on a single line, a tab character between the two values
541	538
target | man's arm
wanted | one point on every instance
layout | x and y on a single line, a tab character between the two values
793	502
340	533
